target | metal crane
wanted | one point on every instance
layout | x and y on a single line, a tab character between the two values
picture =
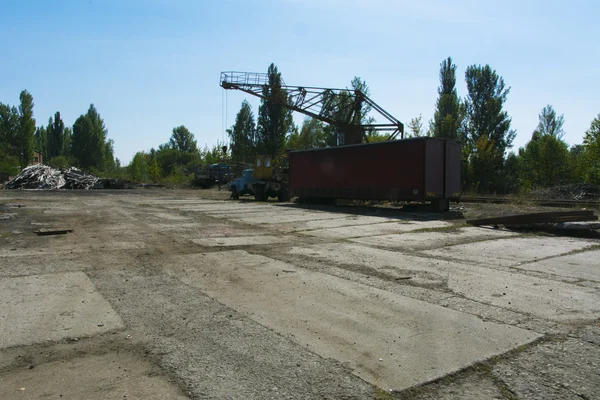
340	108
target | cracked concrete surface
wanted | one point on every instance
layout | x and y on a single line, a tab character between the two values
204	298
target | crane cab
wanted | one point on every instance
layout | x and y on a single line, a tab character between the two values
263	168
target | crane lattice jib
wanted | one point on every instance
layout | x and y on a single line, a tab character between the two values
319	103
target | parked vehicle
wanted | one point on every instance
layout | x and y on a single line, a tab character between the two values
243	185
260	182
208	175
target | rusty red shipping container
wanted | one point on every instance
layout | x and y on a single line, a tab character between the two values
418	169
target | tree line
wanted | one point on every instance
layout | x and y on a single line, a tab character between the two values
483	128
478	122
173	162
85	144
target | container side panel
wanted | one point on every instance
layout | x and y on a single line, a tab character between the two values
381	171
434	169
453	170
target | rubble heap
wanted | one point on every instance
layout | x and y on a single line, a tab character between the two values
44	177
77	179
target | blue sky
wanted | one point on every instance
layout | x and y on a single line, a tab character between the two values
150	65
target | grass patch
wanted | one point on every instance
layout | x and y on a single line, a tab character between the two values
381	394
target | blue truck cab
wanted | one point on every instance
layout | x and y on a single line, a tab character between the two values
243	185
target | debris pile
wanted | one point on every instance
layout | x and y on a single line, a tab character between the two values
77	179
45	177
582	191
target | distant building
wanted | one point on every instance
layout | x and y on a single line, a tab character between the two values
38	158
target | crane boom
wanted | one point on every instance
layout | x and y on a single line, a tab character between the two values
340	108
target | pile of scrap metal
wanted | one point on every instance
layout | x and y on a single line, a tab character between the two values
77	179
44	177
546	221
581	191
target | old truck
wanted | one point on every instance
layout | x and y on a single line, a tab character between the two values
209	175
260	181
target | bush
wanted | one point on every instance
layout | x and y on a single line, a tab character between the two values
178	177
9	165
59	162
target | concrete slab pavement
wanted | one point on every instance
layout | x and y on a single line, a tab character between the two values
73	248
170	216
109	376
513	251
584	266
347	220
285	218
389	340
242	241
38	308
544	298
387	228
432	240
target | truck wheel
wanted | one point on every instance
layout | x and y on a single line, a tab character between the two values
234	193
281	196
259	193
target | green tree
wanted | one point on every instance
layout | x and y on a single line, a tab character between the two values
41	140
591	143
25	134
485	159
215	155
154	170
59	162
487	94
274	119
512	173
182	140
448	114
242	135
312	135
363	116
487	125
138	168
109	156
9	126
340	106
67	142
550	123
89	140
577	163
544	162
415	127
56	134
166	157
